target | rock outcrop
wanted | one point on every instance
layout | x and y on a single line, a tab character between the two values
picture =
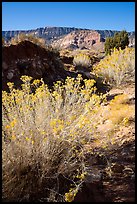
29	59
32	60
132	41
84	39
87	39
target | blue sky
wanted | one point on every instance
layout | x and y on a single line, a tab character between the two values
91	15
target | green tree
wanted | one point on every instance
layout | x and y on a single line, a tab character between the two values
109	45
120	40
124	40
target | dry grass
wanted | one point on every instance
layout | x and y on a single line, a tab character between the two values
30	37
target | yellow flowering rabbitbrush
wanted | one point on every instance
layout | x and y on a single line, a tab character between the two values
82	60
117	68
44	134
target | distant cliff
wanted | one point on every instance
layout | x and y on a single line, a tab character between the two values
48	33
83	39
87	39
51	34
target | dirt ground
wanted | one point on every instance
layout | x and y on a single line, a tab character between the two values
116	165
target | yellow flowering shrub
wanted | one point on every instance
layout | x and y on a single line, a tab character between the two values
44	134
45	131
117	68
69	197
82	60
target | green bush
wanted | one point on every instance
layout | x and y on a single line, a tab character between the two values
120	40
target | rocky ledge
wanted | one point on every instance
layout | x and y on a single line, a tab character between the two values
29	59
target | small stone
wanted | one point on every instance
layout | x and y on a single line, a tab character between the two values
117	168
34	64
10	75
4	65
128	171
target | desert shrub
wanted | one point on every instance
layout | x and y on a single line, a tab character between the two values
117	68
45	134
109	45
43	138
82	60
120	40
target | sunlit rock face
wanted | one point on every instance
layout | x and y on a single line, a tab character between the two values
79	39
